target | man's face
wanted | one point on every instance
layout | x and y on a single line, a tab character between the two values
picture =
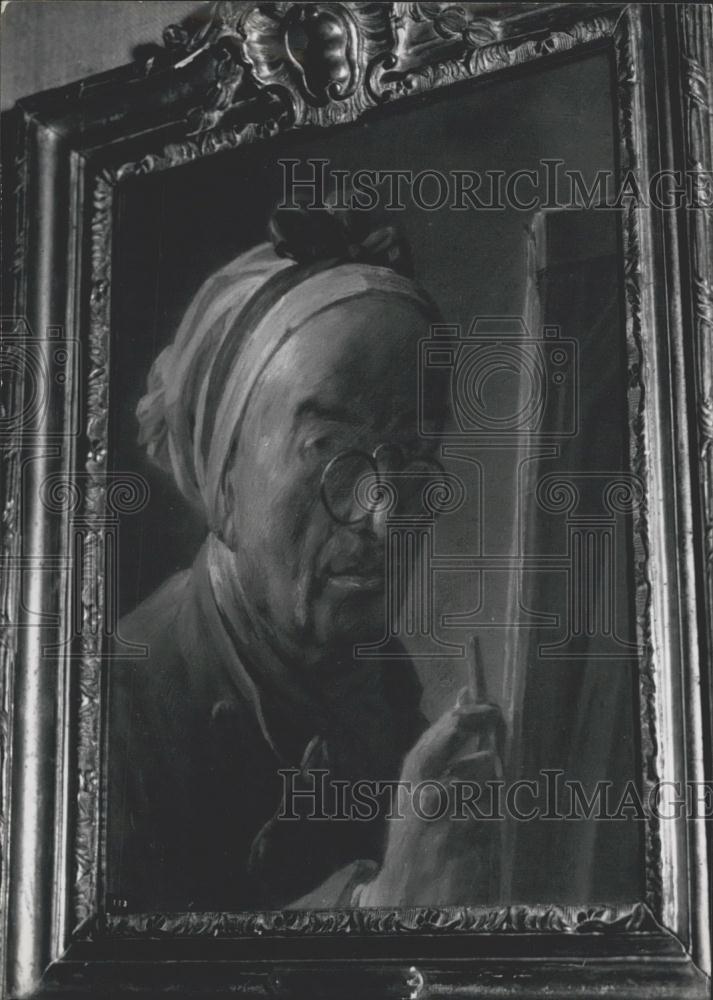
347	379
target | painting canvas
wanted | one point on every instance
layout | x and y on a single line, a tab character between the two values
382	427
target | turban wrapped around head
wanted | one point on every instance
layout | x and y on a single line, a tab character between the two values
199	386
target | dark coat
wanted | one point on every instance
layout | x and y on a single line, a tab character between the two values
199	730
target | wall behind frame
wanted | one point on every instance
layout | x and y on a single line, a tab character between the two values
48	43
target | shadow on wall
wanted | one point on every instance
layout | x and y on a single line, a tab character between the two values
45	45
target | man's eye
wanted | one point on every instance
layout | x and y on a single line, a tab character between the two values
319	444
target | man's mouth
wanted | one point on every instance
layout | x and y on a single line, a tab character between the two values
363	580
348	573
352	567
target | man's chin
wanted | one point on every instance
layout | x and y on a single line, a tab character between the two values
351	611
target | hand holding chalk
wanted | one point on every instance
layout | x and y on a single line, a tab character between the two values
477	687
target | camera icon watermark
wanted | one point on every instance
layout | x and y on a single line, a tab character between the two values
35	368
501	382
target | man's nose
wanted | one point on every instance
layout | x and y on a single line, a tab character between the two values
382	491
376	520
371	502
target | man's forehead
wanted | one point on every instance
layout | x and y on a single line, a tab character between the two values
333	374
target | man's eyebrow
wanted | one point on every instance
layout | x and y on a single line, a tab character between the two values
313	408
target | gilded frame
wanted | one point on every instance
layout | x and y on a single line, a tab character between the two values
231	81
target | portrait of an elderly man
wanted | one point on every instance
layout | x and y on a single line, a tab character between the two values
293	371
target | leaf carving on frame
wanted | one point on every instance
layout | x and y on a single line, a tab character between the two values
424	30
429	920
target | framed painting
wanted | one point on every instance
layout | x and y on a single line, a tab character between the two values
357	540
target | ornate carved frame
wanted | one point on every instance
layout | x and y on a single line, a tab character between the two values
223	82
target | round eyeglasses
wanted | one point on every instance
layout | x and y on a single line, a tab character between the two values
356	485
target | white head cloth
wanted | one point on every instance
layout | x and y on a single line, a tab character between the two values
199	386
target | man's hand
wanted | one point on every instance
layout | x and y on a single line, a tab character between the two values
453	859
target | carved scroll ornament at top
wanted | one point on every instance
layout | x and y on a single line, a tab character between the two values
314	55
328	58
318	49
